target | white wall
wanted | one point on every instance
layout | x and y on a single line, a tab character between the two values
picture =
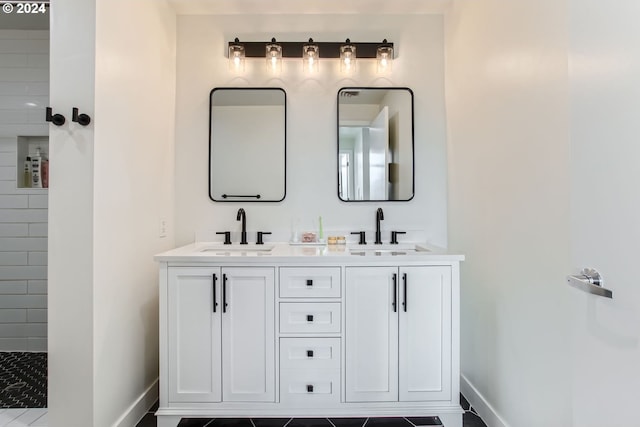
24	93
507	99
111	185
133	191
311	121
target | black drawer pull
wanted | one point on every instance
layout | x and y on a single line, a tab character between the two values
309	317
309	353
309	282
309	388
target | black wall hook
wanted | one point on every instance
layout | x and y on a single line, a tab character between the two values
82	119
56	119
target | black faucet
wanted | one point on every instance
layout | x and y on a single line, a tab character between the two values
242	216
379	217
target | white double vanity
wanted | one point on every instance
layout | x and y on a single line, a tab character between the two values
280	330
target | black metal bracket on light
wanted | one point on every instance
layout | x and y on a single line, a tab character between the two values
81	119
56	119
366	50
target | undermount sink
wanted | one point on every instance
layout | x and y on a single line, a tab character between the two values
387	251
244	250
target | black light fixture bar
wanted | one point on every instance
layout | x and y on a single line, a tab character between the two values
327	49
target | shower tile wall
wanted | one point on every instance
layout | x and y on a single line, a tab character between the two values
24	94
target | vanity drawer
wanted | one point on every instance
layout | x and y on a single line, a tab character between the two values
310	354
309	317
310	388
310	282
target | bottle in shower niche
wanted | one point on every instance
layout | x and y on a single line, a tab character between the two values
36	170
26	175
44	169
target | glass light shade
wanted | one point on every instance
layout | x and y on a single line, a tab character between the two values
348	58
384	58
236	57
310	57
274	56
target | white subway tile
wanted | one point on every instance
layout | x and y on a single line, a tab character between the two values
24	129
22	45
23	301
14	116
14	201
36	315
23	243
14	230
7	173
24	88
38	60
39	229
37	258
11	60
14	258
36	344
27	272
18	330
19	102
37	287
23	74
8	144
36	115
8	187
16	315
24	34
38	201
23	215
13	344
7	159
13	287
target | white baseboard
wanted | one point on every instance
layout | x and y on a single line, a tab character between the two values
136	411
487	412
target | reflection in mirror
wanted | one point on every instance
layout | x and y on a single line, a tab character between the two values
375	144
247	145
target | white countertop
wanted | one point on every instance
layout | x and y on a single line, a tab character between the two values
201	252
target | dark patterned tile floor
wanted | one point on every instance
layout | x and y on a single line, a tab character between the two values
470	419
23	380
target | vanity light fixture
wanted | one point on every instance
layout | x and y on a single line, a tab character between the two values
310	56
236	56
311	52
348	57
384	57
274	56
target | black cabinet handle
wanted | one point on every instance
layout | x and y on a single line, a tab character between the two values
215	304
56	119
309	282
395	292
309	317
81	119
309	388
224	293
309	353
404	280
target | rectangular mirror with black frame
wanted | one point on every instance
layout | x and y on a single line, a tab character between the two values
247	144
375	144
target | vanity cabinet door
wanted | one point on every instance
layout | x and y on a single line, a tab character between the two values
248	334
194	354
425	333
371	334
